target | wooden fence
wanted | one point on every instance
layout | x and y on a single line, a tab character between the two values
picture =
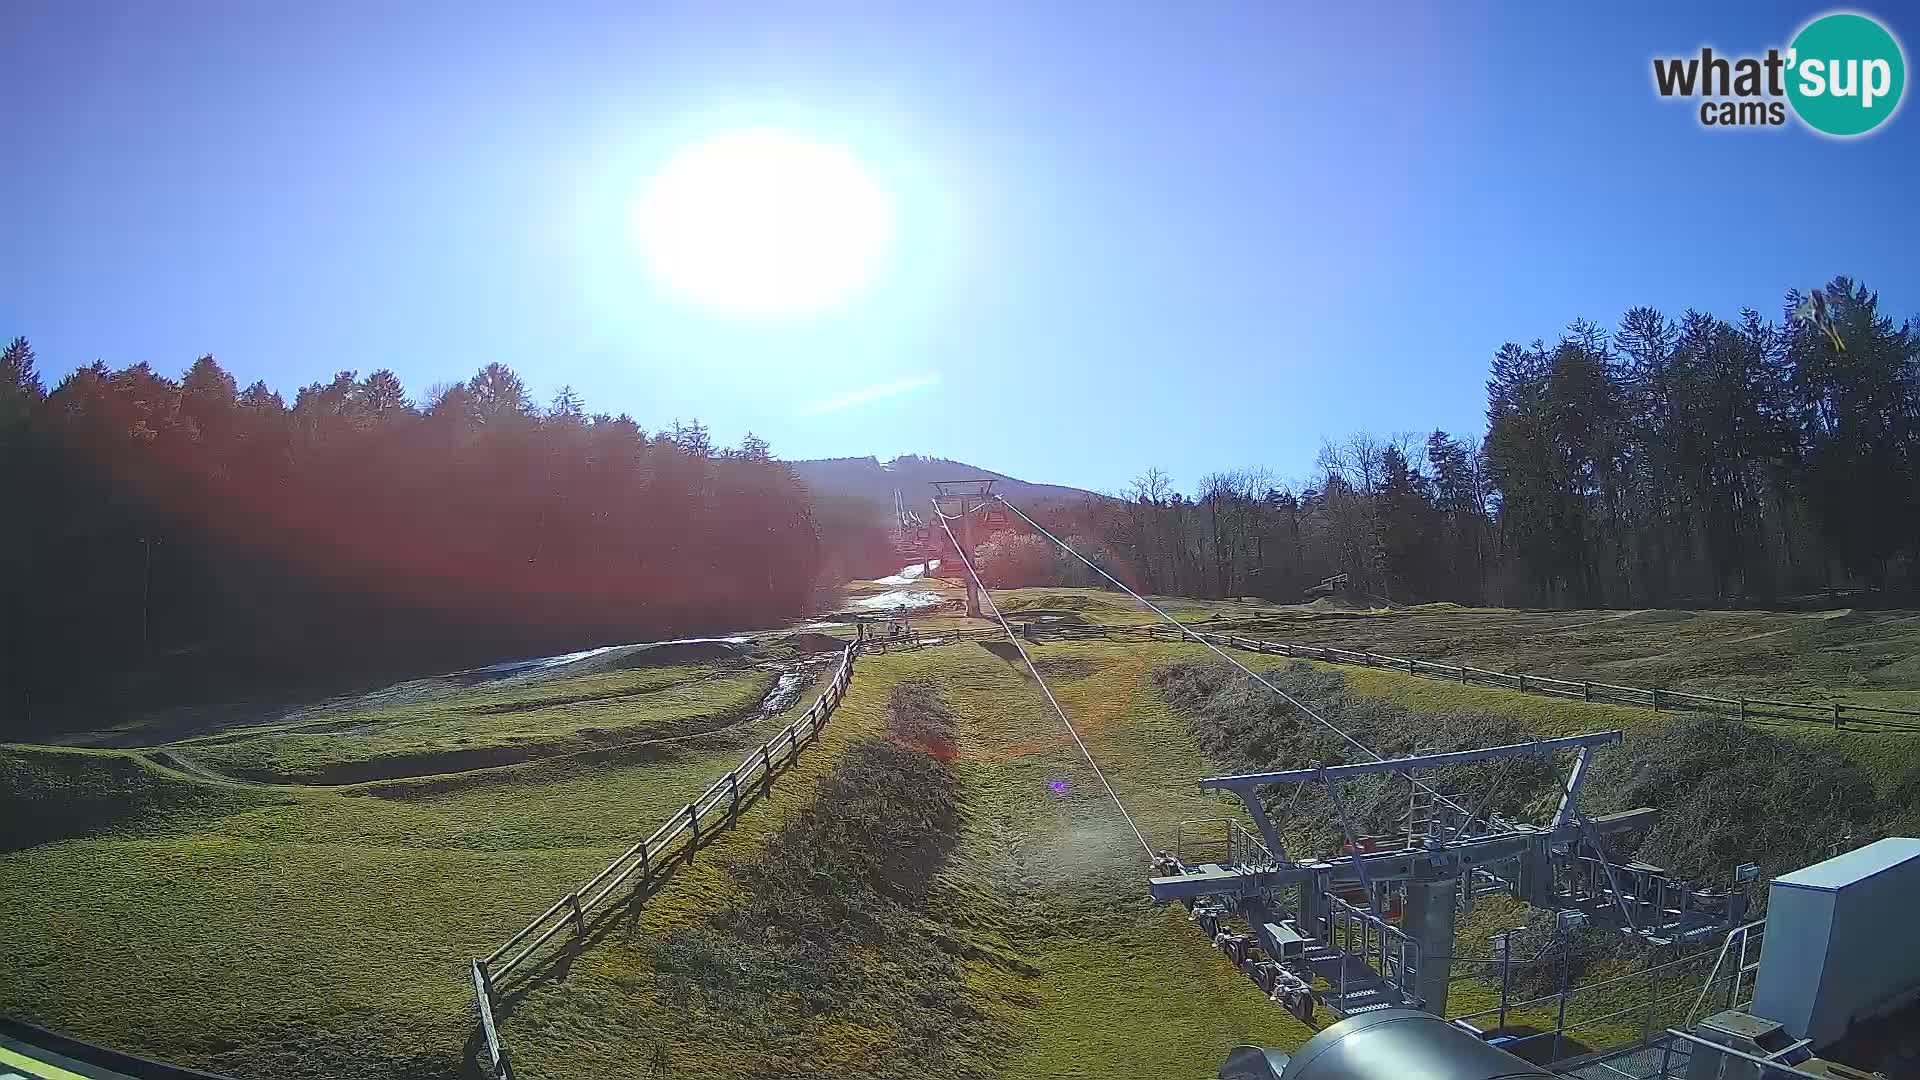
679	834
1836	713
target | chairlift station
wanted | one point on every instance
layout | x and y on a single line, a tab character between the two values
1330	919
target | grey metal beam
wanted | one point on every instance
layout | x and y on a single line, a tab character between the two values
1622	820
1570	795
1613	882
1419	761
1353	843
1449	860
1268	832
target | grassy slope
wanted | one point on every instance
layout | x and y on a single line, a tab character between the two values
221	919
1047	889
1888	756
1091	978
303	932
489	726
1869	657
1122	987
1873	656
604	1016
1102	981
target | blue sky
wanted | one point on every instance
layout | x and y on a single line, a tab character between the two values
1127	235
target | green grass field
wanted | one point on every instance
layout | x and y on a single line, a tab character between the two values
299	898
308	931
489	726
1872	657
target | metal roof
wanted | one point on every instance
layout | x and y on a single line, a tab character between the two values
1856	865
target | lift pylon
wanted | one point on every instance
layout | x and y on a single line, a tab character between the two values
959	502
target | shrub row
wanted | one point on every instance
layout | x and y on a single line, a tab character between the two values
833	963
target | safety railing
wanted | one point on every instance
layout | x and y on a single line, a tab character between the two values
1670	1055
1741	942
1612	1014
1377	943
679	834
1200	839
1836	713
1764	1069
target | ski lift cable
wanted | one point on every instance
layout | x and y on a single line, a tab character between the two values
1062	713
1224	655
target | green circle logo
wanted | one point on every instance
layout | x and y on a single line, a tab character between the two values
1846	74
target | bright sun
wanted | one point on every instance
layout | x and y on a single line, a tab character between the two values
763	222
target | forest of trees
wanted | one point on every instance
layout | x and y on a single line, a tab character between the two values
1689	461
205	535
200	537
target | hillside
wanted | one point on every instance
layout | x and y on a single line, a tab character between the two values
403	832
872	479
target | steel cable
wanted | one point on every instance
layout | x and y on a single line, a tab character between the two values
1224	655
1078	741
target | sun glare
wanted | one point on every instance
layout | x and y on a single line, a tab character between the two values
763	222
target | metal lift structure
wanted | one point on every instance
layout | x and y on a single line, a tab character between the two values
969	508
1373	928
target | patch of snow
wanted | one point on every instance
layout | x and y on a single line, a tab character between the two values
542	663
898	598
908	574
785	689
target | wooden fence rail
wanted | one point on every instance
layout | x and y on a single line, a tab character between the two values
1837	713
711	809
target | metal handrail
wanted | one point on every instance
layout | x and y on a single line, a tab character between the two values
1693	959
1742	932
1675	1033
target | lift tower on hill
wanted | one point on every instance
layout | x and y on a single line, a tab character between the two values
959	503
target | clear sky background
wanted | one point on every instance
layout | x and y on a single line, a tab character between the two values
1128	234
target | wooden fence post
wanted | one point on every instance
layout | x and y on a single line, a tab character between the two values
1836	714
693	820
1523	684
1463	674
1656	699
1410	670
579	921
766	766
733	790
643	861
1743	708
495	1053
1586	691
